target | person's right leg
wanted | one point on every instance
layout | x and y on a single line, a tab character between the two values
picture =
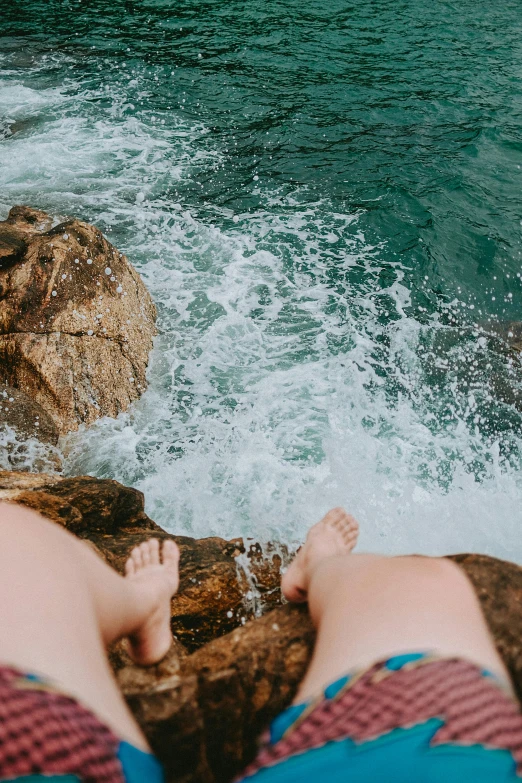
367	607
60	605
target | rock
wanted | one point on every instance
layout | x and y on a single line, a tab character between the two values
203	707
76	321
204	722
24	415
13	483
508	332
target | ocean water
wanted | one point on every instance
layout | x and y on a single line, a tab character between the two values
325	201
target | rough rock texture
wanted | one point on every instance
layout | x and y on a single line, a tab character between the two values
203	721
203	711
25	416
76	321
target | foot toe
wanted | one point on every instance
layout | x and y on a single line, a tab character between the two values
154	551
170	553
145	553
136	556
130	569
337	517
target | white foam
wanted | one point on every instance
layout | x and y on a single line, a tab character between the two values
26	454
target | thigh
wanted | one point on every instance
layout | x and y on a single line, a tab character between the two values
367	608
47	604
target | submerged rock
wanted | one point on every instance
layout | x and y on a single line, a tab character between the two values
204	706
76	321
28	435
24	415
509	332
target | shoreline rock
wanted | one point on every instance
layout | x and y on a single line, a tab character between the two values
76	320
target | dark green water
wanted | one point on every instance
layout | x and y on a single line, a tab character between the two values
325	201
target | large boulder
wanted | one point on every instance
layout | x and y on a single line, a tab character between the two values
76	321
228	673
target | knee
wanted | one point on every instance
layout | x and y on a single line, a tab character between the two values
337	578
438	576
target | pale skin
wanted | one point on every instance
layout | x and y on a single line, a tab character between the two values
367	607
63	606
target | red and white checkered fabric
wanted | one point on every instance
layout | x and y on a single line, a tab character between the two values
474	708
46	732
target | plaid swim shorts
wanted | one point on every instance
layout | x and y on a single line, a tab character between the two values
410	719
46	736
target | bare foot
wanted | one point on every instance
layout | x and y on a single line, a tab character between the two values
335	534
157	581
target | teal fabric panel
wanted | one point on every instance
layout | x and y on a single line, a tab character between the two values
283	721
401	756
139	766
398	661
333	689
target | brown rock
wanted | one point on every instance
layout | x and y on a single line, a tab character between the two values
25	416
76	321
13	482
204	723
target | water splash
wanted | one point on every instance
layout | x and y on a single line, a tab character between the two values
27	454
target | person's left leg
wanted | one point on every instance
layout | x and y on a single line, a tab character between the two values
401	685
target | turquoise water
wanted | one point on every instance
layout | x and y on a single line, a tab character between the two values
325	202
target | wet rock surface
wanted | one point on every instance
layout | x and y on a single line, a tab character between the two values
76	321
28	435
227	674
25	416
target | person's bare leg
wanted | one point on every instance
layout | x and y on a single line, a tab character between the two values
367	607
62	605
336	533
137	607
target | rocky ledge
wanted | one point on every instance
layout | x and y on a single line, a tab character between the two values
228	672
